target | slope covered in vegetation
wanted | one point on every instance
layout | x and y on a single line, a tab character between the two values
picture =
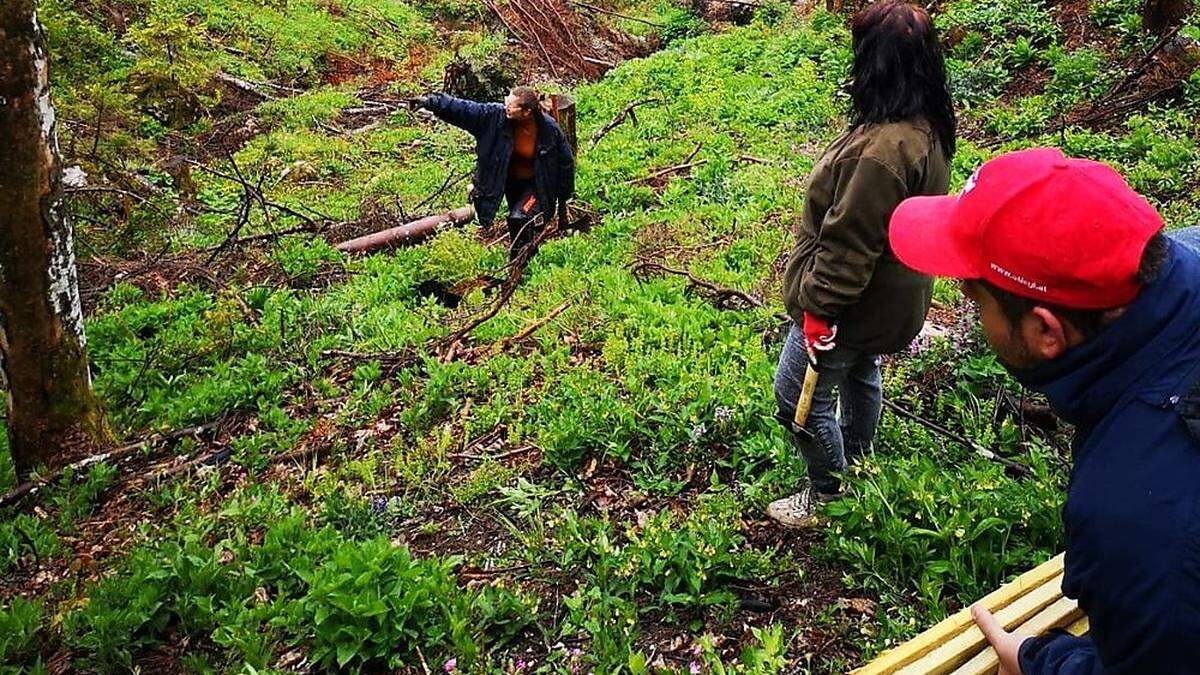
577	483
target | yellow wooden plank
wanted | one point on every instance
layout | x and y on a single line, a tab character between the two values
1079	627
902	655
960	648
1063	612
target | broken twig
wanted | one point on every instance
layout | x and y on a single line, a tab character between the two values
627	114
721	296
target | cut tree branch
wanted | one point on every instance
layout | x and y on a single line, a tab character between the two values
525	332
721	296
516	269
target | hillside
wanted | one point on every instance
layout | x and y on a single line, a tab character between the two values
335	476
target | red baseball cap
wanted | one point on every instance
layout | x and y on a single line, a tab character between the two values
1036	223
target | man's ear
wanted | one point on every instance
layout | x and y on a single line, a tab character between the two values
1046	334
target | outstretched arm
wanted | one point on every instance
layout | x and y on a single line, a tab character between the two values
466	115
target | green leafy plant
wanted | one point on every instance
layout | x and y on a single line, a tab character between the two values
765	656
25	535
373	604
907	526
21	626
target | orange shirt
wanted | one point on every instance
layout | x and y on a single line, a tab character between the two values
520	166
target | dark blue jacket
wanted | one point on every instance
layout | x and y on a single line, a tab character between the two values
1132	515
553	165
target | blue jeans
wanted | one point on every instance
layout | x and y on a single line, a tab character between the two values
833	443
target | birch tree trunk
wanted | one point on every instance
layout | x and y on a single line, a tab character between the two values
53	415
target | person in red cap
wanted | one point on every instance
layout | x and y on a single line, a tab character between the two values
850	300
1084	299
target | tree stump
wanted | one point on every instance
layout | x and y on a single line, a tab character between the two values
562	108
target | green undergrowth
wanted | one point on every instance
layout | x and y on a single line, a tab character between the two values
581	500
258	573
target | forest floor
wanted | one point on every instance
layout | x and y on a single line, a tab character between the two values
427	459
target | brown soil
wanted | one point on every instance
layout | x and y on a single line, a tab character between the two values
343	68
110	532
1074	17
1027	81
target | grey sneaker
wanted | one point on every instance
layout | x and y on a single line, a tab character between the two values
799	510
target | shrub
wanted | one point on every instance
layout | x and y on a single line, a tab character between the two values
680	25
20	631
906	525
373	604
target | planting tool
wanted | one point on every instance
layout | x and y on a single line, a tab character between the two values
804	401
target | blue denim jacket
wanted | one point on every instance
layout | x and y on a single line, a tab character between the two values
553	165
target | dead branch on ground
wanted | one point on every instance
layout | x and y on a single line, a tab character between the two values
31	487
450	182
252	193
254	88
451	344
627	114
555	34
497	347
1015	468
450	347
686	164
721	296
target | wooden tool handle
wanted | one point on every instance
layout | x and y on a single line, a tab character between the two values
804	403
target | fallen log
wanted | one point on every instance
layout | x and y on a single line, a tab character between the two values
32	486
409	233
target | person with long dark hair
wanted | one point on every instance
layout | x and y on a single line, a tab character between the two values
849	297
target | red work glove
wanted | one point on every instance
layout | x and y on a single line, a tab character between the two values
818	335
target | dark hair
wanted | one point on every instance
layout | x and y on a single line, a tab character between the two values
528	97
1088	322
899	72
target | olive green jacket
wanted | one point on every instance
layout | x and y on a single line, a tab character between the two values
842	268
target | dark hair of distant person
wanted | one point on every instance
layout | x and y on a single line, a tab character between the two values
527	98
899	72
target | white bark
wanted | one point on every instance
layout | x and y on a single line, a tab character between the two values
64	280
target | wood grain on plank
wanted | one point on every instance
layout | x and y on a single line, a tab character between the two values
1062	612
962	647
902	655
